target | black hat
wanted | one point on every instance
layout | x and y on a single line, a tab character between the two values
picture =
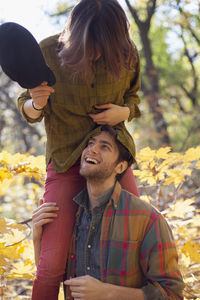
21	57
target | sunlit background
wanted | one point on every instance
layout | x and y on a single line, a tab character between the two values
33	15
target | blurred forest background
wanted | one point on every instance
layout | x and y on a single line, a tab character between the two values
167	35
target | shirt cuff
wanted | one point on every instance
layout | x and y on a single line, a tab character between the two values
29	120
134	111
152	292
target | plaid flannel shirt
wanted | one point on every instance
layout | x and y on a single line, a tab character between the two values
68	126
136	248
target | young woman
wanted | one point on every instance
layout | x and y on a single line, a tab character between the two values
97	71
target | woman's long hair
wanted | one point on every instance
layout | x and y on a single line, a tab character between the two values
97	28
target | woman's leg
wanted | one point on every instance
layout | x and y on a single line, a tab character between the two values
128	182
59	188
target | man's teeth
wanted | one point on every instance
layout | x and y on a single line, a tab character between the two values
91	160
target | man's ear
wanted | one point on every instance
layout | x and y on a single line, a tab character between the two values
121	167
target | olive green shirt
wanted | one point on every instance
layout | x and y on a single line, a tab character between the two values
67	123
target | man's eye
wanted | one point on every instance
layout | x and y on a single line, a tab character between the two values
105	147
90	143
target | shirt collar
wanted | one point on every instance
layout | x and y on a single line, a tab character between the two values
82	198
116	194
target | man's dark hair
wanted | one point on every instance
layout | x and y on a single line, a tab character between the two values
124	154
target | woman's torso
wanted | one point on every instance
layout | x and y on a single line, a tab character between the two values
67	123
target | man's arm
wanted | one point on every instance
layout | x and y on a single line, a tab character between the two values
87	287
44	214
159	261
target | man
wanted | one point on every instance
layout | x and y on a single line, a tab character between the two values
121	246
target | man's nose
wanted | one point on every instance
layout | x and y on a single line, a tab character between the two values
94	148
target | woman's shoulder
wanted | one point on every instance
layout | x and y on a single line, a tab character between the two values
49	47
51	41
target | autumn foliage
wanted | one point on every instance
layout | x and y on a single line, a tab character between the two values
166	179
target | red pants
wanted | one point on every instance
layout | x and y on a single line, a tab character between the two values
61	188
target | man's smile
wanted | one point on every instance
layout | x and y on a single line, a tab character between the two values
91	160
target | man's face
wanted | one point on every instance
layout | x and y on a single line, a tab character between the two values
99	158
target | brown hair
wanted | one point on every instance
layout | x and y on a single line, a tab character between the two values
124	154
97	27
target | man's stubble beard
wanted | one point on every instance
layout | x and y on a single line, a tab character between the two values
98	175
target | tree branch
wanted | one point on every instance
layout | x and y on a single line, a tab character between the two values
191	129
180	105
133	13
188	23
151	7
192	94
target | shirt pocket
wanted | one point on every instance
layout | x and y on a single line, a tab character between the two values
123	261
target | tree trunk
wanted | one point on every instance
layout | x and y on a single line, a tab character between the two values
152	91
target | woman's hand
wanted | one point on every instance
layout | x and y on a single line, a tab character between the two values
40	94
44	214
112	115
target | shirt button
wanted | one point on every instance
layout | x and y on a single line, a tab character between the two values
88	268
89	246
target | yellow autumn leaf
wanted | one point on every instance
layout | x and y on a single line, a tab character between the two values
28	251
151	180
163	153
31	166
144	165
3	260
185	260
6	225
152	164
22	270
3	225
137	172
145	176
4	185
13	237
192	249
196	221
146	154
176	176
181	207
192	154
10	159
10	253
4	174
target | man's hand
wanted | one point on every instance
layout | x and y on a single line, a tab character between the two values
87	288
44	214
40	94
112	115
